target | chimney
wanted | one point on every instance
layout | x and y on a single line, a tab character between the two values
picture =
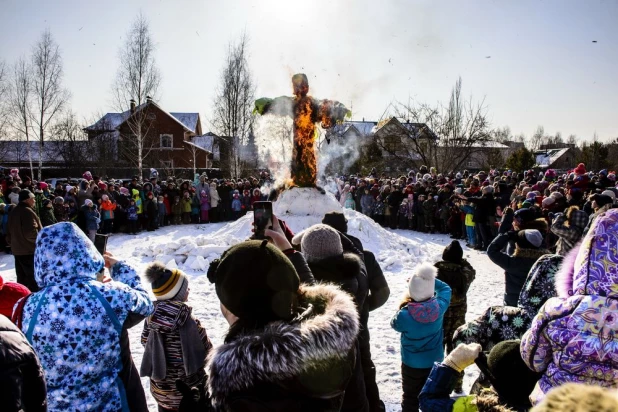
148	99
132	102
363	119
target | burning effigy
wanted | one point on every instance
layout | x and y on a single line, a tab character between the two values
306	112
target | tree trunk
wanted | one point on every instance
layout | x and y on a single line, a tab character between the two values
40	160
140	150
29	155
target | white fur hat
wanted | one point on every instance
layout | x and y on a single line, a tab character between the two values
422	282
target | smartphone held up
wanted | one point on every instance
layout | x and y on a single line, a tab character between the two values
262	218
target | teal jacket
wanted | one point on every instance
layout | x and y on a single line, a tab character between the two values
420	325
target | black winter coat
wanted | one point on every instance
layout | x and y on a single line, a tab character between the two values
22	382
301	365
349	272
515	267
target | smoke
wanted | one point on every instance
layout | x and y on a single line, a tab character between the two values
338	156
274	137
274	140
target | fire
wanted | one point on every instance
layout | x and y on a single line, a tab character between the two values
304	165
306	112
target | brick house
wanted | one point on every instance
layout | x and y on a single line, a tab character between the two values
168	137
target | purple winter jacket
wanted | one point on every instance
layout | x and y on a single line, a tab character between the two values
574	337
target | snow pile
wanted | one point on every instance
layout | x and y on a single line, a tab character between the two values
300	208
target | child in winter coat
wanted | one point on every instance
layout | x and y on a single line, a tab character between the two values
93	218
176	211
61	210
456	272
378	210
73	211
257	197
469	221
419	320
572	338
419	213
204	207
162	211
107	214
236	206
245	199
429	211
195	208
175	343
132	217
187	204
402	218
367	202
152	212
349	201
47	213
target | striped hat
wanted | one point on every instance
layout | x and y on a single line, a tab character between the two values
167	283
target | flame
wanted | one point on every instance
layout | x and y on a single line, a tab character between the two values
304	164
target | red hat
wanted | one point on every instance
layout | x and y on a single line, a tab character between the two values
102	186
580	169
10	293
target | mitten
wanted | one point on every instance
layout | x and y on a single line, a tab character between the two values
462	356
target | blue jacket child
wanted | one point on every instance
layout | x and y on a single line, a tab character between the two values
419	320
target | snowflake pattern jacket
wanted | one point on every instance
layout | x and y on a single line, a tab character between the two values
574	338
74	323
500	323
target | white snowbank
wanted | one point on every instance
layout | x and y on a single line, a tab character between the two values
300	208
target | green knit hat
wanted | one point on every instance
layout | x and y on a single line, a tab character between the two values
255	280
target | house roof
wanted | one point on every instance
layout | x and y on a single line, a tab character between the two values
546	158
363	127
197	146
187	119
412	129
17	150
112	121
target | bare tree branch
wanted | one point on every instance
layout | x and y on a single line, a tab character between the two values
20	104
137	79
441	136
49	95
234	102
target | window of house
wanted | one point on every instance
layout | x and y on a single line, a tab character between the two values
166	141
167	164
151	116
392	144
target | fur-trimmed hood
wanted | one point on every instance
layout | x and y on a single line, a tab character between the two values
530	253
310	345
336	269
347	271
539	224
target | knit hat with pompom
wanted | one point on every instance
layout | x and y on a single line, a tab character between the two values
167	283
422	282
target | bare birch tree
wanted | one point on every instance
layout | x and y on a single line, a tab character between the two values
444	136
4	99
20	104
137	79
234	103
48	94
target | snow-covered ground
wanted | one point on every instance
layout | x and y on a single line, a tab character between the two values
192	247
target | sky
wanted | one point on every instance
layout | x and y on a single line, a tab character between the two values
532	62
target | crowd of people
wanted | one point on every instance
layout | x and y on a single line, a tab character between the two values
298	304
